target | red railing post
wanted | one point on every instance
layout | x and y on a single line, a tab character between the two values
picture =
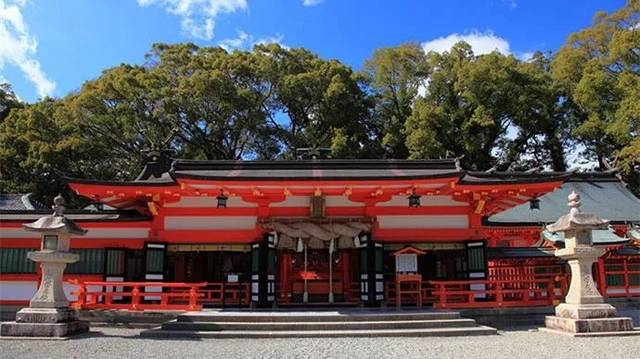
602	277
82	296
499	296
442	293
193	298
625	268
551	291
135	297
107	295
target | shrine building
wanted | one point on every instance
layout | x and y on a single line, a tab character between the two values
325	232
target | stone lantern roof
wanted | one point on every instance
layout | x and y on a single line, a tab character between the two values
55	222
575	219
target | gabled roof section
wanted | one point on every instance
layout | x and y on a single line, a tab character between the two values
512	177
601	194
19	202
599	237
315	169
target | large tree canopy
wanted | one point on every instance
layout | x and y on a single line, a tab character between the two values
207	103
492	109
598	70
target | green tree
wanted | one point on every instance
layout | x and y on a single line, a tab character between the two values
471	105
395	76
41	140
314	102
8	100
598	70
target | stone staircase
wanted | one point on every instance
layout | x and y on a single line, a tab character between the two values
305	324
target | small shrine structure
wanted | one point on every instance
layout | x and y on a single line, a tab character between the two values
408	279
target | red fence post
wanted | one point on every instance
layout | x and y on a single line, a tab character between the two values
551	291
82	296
602	277
442	293
108	294
625	267
499	296
135	297
193	298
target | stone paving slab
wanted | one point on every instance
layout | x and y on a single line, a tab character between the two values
626	333
512	344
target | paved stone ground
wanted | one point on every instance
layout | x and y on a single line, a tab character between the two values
517	343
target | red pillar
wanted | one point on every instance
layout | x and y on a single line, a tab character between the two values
284	259
346	272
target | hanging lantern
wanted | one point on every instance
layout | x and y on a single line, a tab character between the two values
534	204
414	199
222	200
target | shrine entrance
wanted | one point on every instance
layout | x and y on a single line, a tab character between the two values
318	261
327	278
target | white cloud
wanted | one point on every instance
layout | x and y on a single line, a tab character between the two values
246	41
18	47
198	17
525	56
481	43
311	2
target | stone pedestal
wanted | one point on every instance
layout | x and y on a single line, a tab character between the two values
44	322
48	314
584	312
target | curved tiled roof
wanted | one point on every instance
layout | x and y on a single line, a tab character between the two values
607	197
19	202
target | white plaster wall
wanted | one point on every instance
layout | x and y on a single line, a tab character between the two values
210	222
424	221
293	201
17	290
341	201
92	233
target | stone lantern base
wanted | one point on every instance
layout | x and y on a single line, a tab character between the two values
44	322
589	320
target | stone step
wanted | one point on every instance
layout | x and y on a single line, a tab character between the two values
423	332
315	326
320	316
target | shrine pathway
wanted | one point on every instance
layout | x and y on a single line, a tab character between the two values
518	343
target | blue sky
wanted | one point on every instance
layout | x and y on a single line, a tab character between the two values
50	47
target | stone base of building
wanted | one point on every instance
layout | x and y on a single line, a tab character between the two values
44	322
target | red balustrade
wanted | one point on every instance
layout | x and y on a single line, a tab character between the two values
138	295
498	293
622	276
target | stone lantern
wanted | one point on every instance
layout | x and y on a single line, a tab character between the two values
48	314
584	311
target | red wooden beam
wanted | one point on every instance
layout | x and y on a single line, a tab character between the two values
424	235
211	236
304	211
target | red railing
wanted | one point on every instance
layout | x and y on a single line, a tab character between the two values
621	279
390	294
224	293
138	295
498	293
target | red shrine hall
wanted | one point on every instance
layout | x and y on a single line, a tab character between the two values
324	232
